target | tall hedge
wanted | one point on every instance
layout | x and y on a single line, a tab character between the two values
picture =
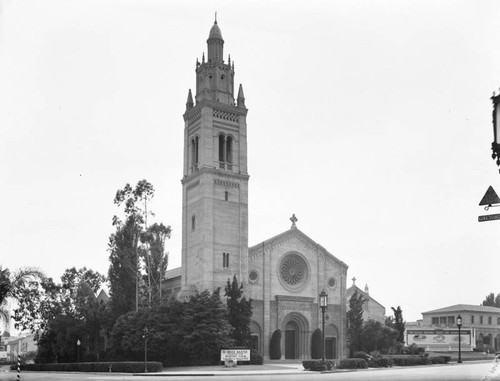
275	345
316	344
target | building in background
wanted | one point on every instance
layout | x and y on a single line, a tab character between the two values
438	329
371	308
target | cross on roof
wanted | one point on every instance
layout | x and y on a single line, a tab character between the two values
294	220
354	281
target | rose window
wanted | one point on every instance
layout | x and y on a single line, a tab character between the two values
293	270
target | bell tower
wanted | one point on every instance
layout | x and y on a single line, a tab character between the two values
215	178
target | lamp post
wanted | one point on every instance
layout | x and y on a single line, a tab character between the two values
145	336
78	350
323	303
459	324
495	146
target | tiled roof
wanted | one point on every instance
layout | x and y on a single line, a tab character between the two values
174	273
464	308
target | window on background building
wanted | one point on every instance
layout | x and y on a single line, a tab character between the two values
442	320
451	320
498	320
480	320
435	320
472	319
193	222
225	260
489	320
226	195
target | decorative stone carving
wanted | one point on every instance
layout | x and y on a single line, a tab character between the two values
293	272
226	183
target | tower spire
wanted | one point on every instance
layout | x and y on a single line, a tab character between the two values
241	102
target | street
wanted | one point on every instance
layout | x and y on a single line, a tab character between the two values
455	372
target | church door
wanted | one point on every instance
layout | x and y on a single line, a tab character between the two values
331	347
291	336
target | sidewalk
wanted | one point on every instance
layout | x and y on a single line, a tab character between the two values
240	370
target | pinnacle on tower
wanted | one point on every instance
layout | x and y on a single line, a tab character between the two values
189	103
241	97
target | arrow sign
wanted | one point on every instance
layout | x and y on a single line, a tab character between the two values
490	197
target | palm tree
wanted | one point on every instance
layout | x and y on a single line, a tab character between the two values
11	283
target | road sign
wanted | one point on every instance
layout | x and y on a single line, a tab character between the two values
490	197
489	217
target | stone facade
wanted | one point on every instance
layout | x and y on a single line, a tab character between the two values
283	275
286	275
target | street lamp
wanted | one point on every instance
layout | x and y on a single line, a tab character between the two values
145	337
323	303
495	146
459	324
78	350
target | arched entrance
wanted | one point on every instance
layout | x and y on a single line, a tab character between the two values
295	339
291	340
256	333
331	342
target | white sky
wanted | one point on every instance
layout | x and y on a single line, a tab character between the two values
370	120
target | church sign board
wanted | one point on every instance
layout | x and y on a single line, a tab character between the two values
235	354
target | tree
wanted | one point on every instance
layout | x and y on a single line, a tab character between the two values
61	314
376	336
155	258
355	322
239	313
137	252
399	324
178	333
11	286
275	345
491	300
317	344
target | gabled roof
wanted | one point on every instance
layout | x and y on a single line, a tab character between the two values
293	233
464	308
354	288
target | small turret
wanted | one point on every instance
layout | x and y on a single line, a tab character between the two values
367	290
241	98
189	103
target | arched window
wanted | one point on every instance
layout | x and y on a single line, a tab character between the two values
194	154
229	149
222	148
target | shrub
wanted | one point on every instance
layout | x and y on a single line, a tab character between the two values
446	358
352	364
436	359
317	344
361	355
275	345
412	349
381	362
410	360
121	367
255	358
318	365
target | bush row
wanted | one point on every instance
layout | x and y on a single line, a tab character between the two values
120	367
352	364
410	360
318	365
381	362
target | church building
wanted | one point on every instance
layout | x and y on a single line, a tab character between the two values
284	275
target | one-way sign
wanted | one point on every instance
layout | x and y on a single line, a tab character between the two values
489	217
